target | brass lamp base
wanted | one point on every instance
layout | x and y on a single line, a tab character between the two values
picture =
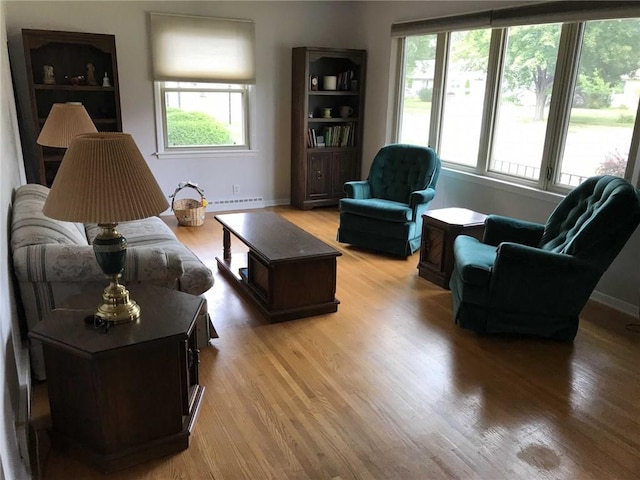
110	249
116	306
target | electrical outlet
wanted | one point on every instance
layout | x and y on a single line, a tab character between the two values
236	189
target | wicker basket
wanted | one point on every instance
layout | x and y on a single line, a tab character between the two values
188	211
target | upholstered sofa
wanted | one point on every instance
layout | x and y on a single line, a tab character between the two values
54	260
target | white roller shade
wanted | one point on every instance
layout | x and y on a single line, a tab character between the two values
202	49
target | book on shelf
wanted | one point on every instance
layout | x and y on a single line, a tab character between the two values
337	136
312	138
344	80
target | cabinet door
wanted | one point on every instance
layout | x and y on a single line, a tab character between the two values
189	360
343	170
319	175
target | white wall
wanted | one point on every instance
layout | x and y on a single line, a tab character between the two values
620	285
279	27
14	366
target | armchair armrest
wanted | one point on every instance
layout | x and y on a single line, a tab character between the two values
421	196
500	229
526	278
73	263
419	201
358	189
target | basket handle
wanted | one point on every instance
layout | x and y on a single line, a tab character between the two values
188	184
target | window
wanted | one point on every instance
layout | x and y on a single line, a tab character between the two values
203	115
544	95
464	96
419	68
604	101
203	74
523	103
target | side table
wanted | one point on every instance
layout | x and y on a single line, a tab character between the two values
439	230
128	394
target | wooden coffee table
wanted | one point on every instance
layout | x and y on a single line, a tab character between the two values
288	273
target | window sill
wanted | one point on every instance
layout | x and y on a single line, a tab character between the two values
205	155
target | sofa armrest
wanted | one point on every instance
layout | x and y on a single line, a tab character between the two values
359	189
500	229
73	263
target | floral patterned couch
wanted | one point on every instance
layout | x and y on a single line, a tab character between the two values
53	260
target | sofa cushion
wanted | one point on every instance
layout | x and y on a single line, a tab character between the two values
473	260
197	277
29	226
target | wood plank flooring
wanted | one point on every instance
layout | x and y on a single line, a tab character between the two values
389	388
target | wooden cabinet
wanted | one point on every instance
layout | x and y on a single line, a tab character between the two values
128	394
71	56
328	88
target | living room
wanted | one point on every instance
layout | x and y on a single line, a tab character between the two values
265	171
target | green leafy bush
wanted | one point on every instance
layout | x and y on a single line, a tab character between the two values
595	91
195	128
425	94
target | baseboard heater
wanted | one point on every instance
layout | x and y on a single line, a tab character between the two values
237	203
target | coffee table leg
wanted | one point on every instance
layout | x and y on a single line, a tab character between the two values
226	244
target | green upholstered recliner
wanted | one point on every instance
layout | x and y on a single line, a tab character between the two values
534	279
384	212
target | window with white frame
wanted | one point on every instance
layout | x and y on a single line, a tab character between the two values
203	74
544	95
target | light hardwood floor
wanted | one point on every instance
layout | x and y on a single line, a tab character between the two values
390	388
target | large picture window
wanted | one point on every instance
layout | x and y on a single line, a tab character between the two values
203	74
524	95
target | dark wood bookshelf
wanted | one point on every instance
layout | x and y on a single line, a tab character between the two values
68	53
318	174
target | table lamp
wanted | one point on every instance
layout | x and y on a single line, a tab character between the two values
104	179
64	122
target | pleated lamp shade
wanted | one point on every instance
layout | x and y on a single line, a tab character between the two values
103	178
65	121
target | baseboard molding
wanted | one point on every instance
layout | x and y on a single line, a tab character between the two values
277	202
624	307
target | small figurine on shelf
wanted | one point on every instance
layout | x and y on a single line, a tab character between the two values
91	74
48	77
105	81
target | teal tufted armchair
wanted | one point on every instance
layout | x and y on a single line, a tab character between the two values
534	279
384	212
